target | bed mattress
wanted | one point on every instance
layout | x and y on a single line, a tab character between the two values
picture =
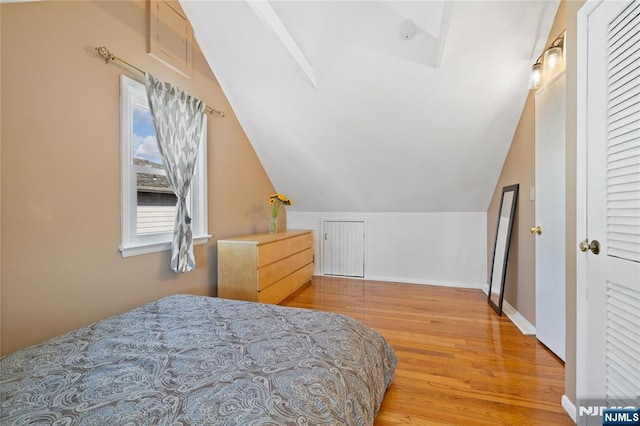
192	360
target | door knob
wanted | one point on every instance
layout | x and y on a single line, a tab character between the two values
536	230
594	246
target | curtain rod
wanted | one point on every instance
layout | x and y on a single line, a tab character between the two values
108	56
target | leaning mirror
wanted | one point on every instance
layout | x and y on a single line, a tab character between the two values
501	248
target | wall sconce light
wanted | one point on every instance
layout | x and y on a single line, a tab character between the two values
536	76
552	62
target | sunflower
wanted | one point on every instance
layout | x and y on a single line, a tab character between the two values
276	200
279	199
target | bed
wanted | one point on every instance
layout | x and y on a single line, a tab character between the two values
193	360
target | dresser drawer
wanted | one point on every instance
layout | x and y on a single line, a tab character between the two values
286	286
301	259
277	291
301	276
269	253
301	243
273	272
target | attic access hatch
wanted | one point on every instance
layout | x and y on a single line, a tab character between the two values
343	247
170	36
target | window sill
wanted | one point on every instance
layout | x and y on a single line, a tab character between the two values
138	249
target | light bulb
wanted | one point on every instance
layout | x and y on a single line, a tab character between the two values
552	61
536	76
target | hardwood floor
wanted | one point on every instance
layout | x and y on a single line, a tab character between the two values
458	362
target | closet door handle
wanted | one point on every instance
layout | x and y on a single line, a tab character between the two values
594	246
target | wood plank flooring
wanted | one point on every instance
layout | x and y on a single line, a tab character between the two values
458	362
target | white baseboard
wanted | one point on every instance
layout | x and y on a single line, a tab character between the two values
521	322
424	282
569	407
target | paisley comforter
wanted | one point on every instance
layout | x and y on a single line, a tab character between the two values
191	360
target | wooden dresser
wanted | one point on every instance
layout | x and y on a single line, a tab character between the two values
264	268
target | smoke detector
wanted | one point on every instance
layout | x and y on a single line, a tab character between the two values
407	29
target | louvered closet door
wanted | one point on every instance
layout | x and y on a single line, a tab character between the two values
613	203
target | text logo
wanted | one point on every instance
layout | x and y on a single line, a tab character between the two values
621	417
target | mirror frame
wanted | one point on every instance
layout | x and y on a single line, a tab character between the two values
512	211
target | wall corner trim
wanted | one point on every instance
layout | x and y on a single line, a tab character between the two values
569	407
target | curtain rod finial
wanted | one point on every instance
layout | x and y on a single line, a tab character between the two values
105	53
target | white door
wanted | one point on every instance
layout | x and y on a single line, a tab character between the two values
550	215
608	297
343	248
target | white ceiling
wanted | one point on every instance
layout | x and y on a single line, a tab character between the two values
345	115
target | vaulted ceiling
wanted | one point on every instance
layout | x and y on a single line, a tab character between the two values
348	112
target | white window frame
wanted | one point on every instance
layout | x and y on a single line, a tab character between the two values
132	93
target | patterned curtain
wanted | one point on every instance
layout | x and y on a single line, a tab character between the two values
178	120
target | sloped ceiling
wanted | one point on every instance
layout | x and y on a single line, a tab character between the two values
346	115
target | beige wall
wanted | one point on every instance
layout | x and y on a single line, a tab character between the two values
60	171
518	168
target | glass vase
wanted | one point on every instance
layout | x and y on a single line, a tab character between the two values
273	225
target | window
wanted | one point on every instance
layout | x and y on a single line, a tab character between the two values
148	205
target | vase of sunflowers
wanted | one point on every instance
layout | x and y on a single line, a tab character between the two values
276	200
